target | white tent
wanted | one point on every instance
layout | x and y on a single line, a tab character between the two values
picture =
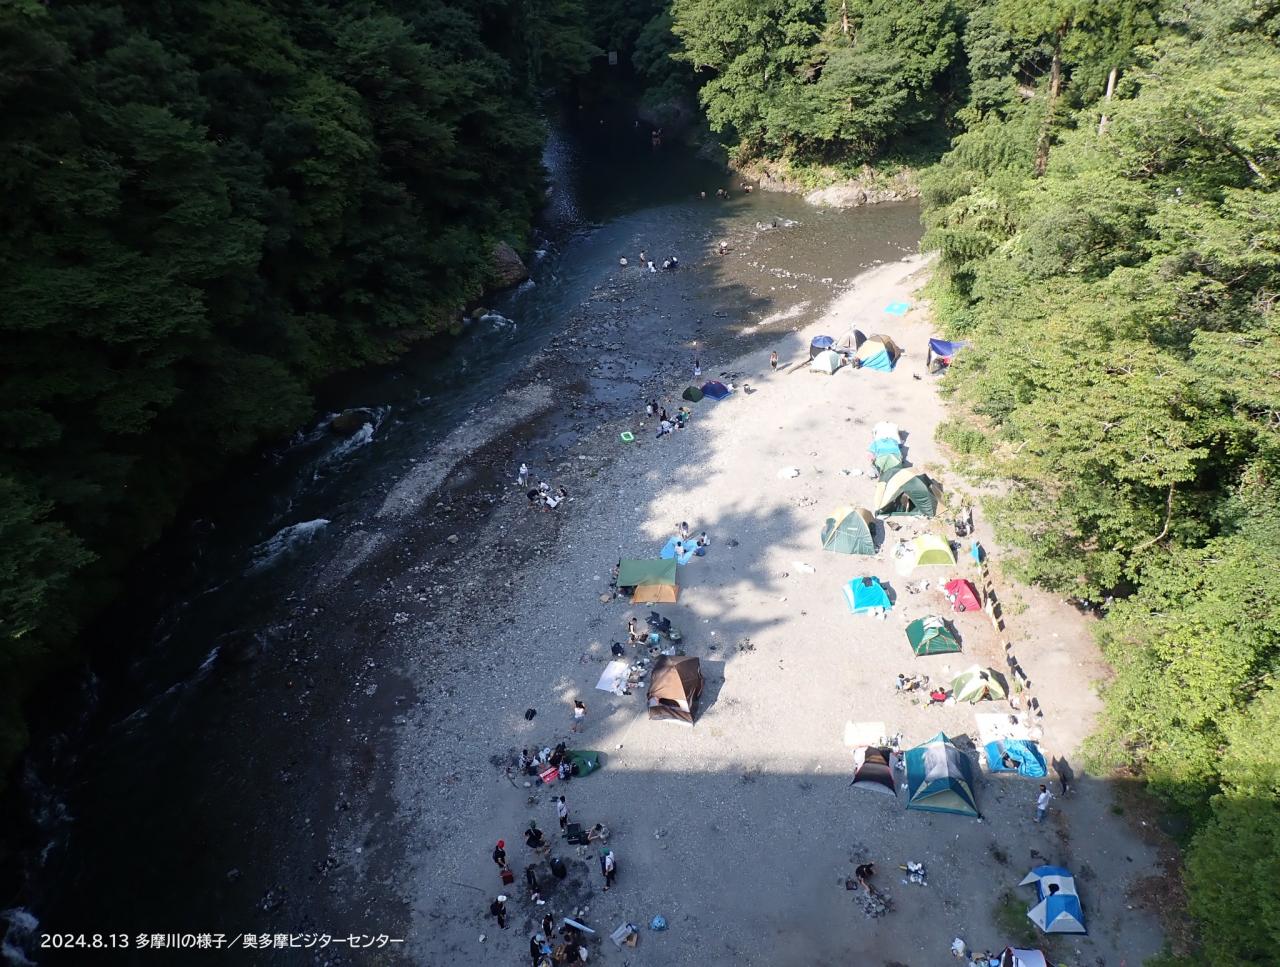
826	361
1016	957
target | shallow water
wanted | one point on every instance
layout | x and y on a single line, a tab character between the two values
135	832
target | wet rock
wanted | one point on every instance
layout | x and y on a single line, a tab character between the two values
350	421
506	266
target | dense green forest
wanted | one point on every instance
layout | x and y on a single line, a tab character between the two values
210	205
1116	262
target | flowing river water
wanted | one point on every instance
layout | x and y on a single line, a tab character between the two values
178	801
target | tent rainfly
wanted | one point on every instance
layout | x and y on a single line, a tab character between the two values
879	353
849	531
907	494
863	595
928	550
650	581
962	595
1058	909
940	778
931	636
977	683
872	770
827	361
674	687
692	394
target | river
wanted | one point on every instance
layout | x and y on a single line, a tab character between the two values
191	796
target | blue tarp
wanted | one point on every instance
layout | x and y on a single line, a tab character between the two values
669	551
862	596
880	361
715	389
822	342
884	445
897	308
1028	758
940	347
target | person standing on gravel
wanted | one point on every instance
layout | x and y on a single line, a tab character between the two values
1042	803
499	909
609	867
523	478
562	812
773	360
579	714
500	854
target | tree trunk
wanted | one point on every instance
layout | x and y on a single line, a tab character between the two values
1055	88
844	17
1111	89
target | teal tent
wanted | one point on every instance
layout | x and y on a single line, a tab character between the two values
940	778
866	594
849	531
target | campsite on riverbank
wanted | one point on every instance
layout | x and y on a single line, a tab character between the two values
741	831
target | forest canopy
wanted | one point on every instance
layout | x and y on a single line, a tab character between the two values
209	206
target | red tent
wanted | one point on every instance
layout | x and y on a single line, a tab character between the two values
963	595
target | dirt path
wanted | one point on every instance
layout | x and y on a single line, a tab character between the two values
742	830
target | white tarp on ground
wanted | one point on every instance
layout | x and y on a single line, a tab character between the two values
994	726
863	733
886	431
614	678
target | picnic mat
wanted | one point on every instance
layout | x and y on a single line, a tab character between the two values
614	678
994	726
863	733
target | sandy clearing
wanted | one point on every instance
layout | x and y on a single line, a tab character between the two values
739	830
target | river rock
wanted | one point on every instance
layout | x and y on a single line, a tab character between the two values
506	266
349	421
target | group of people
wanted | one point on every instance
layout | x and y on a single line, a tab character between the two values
541	496
668	422
669	264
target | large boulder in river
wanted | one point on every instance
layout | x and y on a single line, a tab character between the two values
506	267
350	421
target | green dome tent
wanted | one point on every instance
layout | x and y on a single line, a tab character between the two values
849	531
940	778
692	394
976	683
931	636
907	494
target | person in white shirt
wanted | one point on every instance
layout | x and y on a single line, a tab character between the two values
1042	803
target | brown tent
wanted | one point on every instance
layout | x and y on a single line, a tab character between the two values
674	688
